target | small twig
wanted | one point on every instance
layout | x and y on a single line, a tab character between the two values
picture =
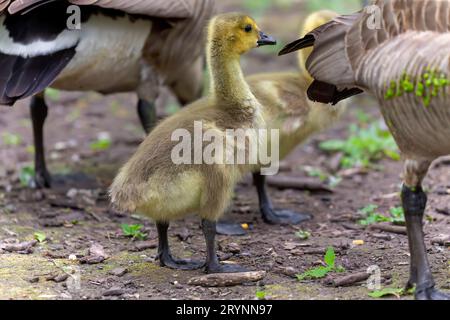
227	279
388	228
349	280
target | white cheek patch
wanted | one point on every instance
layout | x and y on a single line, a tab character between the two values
67	39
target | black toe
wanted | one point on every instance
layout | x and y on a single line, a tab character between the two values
179	264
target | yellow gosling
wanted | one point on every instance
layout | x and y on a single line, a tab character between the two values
153	185
286	107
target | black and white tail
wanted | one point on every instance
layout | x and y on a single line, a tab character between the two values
35	47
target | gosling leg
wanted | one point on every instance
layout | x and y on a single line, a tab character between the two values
212	261
164	255
269	215
39	112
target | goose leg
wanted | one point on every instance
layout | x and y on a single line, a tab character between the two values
147	114
164	255
269	215
212	261
414	202
39	111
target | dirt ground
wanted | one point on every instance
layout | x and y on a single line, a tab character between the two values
79	219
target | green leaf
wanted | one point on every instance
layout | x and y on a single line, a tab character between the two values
330	257
261	295
53	94
11	139
133	231
316	273
387	292
40	236
303	235
26	175
332	145
101	145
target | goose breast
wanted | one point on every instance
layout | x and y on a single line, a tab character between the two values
107	56
419	122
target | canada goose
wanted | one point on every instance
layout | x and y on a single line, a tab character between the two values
287	109
401	57
100	45
152	184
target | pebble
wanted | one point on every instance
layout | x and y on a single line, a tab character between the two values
119	272
115	291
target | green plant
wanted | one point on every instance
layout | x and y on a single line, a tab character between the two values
365	145
11	139
332	181
391	292
261	295
53	94
303	235
26	175
133	231
40	236
322	271
371	216
101	144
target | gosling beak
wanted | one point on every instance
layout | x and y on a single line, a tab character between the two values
266	40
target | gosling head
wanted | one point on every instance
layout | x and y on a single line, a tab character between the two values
236	34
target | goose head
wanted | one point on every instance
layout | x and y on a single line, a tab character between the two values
313	21
235	34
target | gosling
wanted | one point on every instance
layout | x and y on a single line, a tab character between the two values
152	185
287	108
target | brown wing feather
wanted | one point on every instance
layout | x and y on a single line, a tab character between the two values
341	46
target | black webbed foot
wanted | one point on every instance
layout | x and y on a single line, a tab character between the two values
227	228
166	260
283	217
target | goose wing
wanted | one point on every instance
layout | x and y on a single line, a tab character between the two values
339	60
153	8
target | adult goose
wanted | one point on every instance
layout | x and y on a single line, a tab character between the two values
100	45
398	50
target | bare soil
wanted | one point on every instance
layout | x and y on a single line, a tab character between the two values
75	221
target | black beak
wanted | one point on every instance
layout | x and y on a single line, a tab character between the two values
266	40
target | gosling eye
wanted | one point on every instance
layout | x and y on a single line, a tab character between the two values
248	28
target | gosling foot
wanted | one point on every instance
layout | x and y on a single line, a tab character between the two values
283	217
225	268
431	294
178	264
230	229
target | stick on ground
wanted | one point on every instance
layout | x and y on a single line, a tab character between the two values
227	279
349	280
388	228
